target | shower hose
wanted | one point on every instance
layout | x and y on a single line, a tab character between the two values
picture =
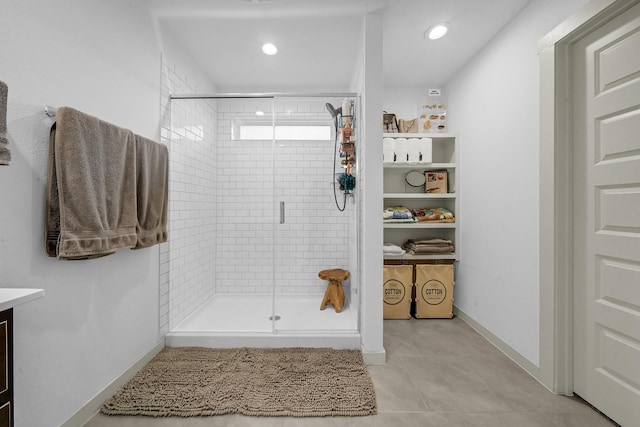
333	177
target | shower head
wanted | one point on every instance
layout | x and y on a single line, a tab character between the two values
333	111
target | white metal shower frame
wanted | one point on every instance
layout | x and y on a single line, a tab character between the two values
274	96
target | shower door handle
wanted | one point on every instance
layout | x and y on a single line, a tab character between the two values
281	212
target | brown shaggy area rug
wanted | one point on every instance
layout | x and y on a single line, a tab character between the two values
294	382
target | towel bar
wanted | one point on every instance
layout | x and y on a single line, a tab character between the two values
50	111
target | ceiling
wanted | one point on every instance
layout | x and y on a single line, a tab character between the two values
319	40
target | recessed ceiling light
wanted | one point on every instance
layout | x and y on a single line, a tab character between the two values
437	31
259	113
269	49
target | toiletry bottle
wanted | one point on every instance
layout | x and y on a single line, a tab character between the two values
346	108
347	132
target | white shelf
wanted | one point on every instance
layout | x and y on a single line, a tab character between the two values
419	195
409	257
406	165
416	225
433	135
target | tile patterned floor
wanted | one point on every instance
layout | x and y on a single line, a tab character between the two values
438	373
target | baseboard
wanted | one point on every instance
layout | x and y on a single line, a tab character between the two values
85	413
508	351
374	357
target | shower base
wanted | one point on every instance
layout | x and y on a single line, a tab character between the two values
241	320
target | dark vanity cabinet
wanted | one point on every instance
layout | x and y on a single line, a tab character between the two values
6	368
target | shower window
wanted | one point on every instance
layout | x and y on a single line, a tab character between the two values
283	132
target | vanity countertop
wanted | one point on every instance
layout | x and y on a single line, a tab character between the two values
11	297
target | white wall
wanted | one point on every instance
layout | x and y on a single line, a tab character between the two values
370	190
494	105
190	77
405	102
188	129
98	317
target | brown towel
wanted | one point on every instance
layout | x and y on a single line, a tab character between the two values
152	161
91	190
5	154
428	246
423	250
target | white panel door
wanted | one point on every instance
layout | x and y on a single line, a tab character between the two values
606	66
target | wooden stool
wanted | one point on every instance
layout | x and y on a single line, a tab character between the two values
335	293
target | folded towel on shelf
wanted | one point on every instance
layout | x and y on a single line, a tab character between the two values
152	168
5	153
431	250
91	189
399	221
431	241
428	246
392	250
396	212
433	215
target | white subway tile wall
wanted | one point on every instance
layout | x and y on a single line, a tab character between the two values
187	260
315	235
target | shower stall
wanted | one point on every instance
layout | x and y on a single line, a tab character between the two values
255	212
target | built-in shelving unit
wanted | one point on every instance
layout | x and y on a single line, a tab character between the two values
397	192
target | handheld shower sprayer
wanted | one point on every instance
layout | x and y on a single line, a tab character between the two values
333	111
346	180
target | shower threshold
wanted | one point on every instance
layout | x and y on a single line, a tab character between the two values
240	320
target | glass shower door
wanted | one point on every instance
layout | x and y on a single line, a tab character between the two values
311	234
244	213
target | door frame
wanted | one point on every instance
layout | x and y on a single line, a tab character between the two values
556	206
